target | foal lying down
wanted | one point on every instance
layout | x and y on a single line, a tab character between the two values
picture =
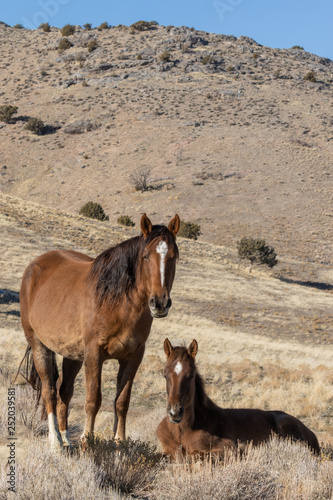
195	425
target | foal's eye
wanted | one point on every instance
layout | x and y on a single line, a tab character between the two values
146	257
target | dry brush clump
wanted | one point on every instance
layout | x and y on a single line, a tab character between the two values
275	470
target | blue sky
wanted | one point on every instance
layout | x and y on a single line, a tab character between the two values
275	23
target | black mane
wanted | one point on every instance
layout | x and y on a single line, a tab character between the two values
116	268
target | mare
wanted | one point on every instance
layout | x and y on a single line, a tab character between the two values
90	310
195	425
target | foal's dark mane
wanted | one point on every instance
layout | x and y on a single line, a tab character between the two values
116	268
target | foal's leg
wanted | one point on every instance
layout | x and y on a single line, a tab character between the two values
70	368
125	377
93	367
44	363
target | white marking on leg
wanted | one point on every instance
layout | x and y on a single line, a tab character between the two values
65	438
54	434
162	249
178	368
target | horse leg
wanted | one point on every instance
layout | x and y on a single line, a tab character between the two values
93	369
70	368
44	361
125	377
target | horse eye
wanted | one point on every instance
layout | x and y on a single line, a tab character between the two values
146	257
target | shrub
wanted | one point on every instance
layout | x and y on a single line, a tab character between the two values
104	26
208	60
45	27
93	210
67	30
189	230
144	25
92	45
36	126
310	76
6	112
18	26
230	68
139	179
125	220
64	44
257	252
127	466
297	47
165	56
87	26
255	55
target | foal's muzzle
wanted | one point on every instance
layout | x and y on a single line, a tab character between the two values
175	414
157	309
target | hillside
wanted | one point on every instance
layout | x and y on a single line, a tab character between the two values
233	136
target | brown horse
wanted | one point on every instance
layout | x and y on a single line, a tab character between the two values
195	425
90	310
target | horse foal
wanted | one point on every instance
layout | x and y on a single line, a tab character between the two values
195	425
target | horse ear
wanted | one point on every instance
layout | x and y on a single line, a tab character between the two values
193	348
174	225
146	225
167	347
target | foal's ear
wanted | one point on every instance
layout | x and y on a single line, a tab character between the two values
174	225
167	347
193	348
146	225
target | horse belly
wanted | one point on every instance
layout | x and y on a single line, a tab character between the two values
56	308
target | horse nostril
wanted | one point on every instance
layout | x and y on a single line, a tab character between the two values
169	303
152	303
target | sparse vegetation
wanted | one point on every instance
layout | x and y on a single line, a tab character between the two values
104	26
67	30
6	112
45	27
128	466
144	25
139	179
209	59
310	76
64	44
92	45
18	26
93	210
125	220
257	252
165	56
189	230
297	47
35	125
87	26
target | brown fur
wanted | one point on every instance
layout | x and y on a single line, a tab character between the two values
89	311
196	425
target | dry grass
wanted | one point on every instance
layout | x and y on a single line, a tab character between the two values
244	364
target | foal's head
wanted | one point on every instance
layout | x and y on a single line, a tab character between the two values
180	378
159	263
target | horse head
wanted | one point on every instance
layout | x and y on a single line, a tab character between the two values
180	378
159	263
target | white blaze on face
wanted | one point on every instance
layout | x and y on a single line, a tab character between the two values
162	249
178	368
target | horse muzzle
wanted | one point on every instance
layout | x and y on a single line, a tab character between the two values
175	415
158	310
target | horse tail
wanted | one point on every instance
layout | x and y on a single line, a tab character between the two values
28	371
